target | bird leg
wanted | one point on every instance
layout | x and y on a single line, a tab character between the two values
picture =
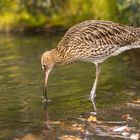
45	94
93	91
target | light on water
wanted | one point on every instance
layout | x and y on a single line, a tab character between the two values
21	83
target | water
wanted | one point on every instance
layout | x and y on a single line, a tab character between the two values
21	79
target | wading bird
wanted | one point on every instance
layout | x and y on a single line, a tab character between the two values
91	41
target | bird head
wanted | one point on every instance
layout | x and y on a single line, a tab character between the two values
47	62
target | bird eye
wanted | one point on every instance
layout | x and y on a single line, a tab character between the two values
43	66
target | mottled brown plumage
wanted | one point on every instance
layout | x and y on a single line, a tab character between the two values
91	41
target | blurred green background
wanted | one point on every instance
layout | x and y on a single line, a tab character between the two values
21	75
25	15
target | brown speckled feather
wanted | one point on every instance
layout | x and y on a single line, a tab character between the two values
96	40
91	41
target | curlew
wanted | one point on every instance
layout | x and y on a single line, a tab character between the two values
91	41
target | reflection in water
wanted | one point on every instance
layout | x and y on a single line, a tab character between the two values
21	80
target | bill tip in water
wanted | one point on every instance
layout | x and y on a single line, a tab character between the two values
44	100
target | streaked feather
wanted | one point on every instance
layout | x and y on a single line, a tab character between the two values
94	40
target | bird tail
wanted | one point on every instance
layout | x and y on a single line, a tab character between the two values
125	48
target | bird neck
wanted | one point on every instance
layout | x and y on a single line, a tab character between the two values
56	57
61	59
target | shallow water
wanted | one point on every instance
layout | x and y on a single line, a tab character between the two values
21	80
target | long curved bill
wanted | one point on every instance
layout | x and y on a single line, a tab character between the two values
45	84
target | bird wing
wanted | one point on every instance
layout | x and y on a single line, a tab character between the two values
104	38
97	39
100	33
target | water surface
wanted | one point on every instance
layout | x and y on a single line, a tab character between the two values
21	80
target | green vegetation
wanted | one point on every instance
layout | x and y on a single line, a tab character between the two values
20	15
